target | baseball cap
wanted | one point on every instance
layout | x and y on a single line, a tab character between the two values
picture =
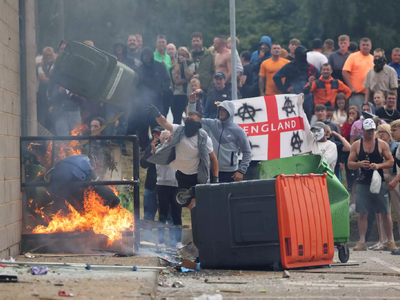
317	44
157	129
319	125
219	75
369	124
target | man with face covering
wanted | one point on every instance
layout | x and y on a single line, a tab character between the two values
153	82
381	77
316	140
297	74
228	138
190	151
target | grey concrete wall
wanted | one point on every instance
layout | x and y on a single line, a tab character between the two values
10	119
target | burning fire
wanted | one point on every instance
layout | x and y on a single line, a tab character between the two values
63	150
95	216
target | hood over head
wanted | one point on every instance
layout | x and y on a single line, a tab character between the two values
365	114
300	54
148	51
265	39
120	42
230	107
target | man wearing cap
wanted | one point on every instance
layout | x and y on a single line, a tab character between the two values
371	154
319	144
219	93
367	111
315	57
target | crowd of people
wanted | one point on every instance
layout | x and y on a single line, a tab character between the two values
350	108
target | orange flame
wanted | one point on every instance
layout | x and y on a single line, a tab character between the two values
63	150
95	216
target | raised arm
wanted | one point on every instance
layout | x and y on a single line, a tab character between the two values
346	144
161	120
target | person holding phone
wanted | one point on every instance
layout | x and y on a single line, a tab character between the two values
182	72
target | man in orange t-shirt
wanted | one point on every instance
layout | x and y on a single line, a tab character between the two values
356	69
268	69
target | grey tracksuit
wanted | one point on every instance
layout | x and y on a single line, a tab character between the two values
228	138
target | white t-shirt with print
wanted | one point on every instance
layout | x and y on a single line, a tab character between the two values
187	153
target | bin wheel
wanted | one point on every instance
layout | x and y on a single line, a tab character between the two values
183	197
344	253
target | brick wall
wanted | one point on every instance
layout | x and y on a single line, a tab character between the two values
10	119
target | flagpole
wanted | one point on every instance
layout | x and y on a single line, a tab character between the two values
232	12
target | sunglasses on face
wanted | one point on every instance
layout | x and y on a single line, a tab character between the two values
156	133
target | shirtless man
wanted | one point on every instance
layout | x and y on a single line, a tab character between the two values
223	57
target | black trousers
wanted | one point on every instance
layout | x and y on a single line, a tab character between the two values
179	103
166	195
186	181
223	176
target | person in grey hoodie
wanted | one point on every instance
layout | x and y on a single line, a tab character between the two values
228	138
167	187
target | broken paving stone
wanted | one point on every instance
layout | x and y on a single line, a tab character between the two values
286	274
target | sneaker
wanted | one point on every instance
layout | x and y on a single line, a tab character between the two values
391	246
179	246
352	209
360	247
396	252
381	247
377	245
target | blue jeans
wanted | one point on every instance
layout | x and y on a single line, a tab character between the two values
150	204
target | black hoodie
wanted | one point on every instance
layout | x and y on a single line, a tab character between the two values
124	59
296	72
153	81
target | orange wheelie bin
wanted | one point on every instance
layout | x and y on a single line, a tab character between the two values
304	221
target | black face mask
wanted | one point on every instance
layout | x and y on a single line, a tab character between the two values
191	127
379	64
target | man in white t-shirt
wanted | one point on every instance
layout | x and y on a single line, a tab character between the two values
190	151
315	57
327	148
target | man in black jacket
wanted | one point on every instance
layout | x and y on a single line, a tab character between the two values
219	93
153	82
150	194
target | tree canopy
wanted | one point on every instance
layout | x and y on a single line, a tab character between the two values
105	21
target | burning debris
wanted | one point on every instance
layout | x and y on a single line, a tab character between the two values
95	216
66	207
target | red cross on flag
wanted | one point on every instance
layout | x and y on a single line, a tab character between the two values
273	124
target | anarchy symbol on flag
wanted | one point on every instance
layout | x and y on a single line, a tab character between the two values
274	123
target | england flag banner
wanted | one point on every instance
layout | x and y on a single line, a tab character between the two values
273	124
